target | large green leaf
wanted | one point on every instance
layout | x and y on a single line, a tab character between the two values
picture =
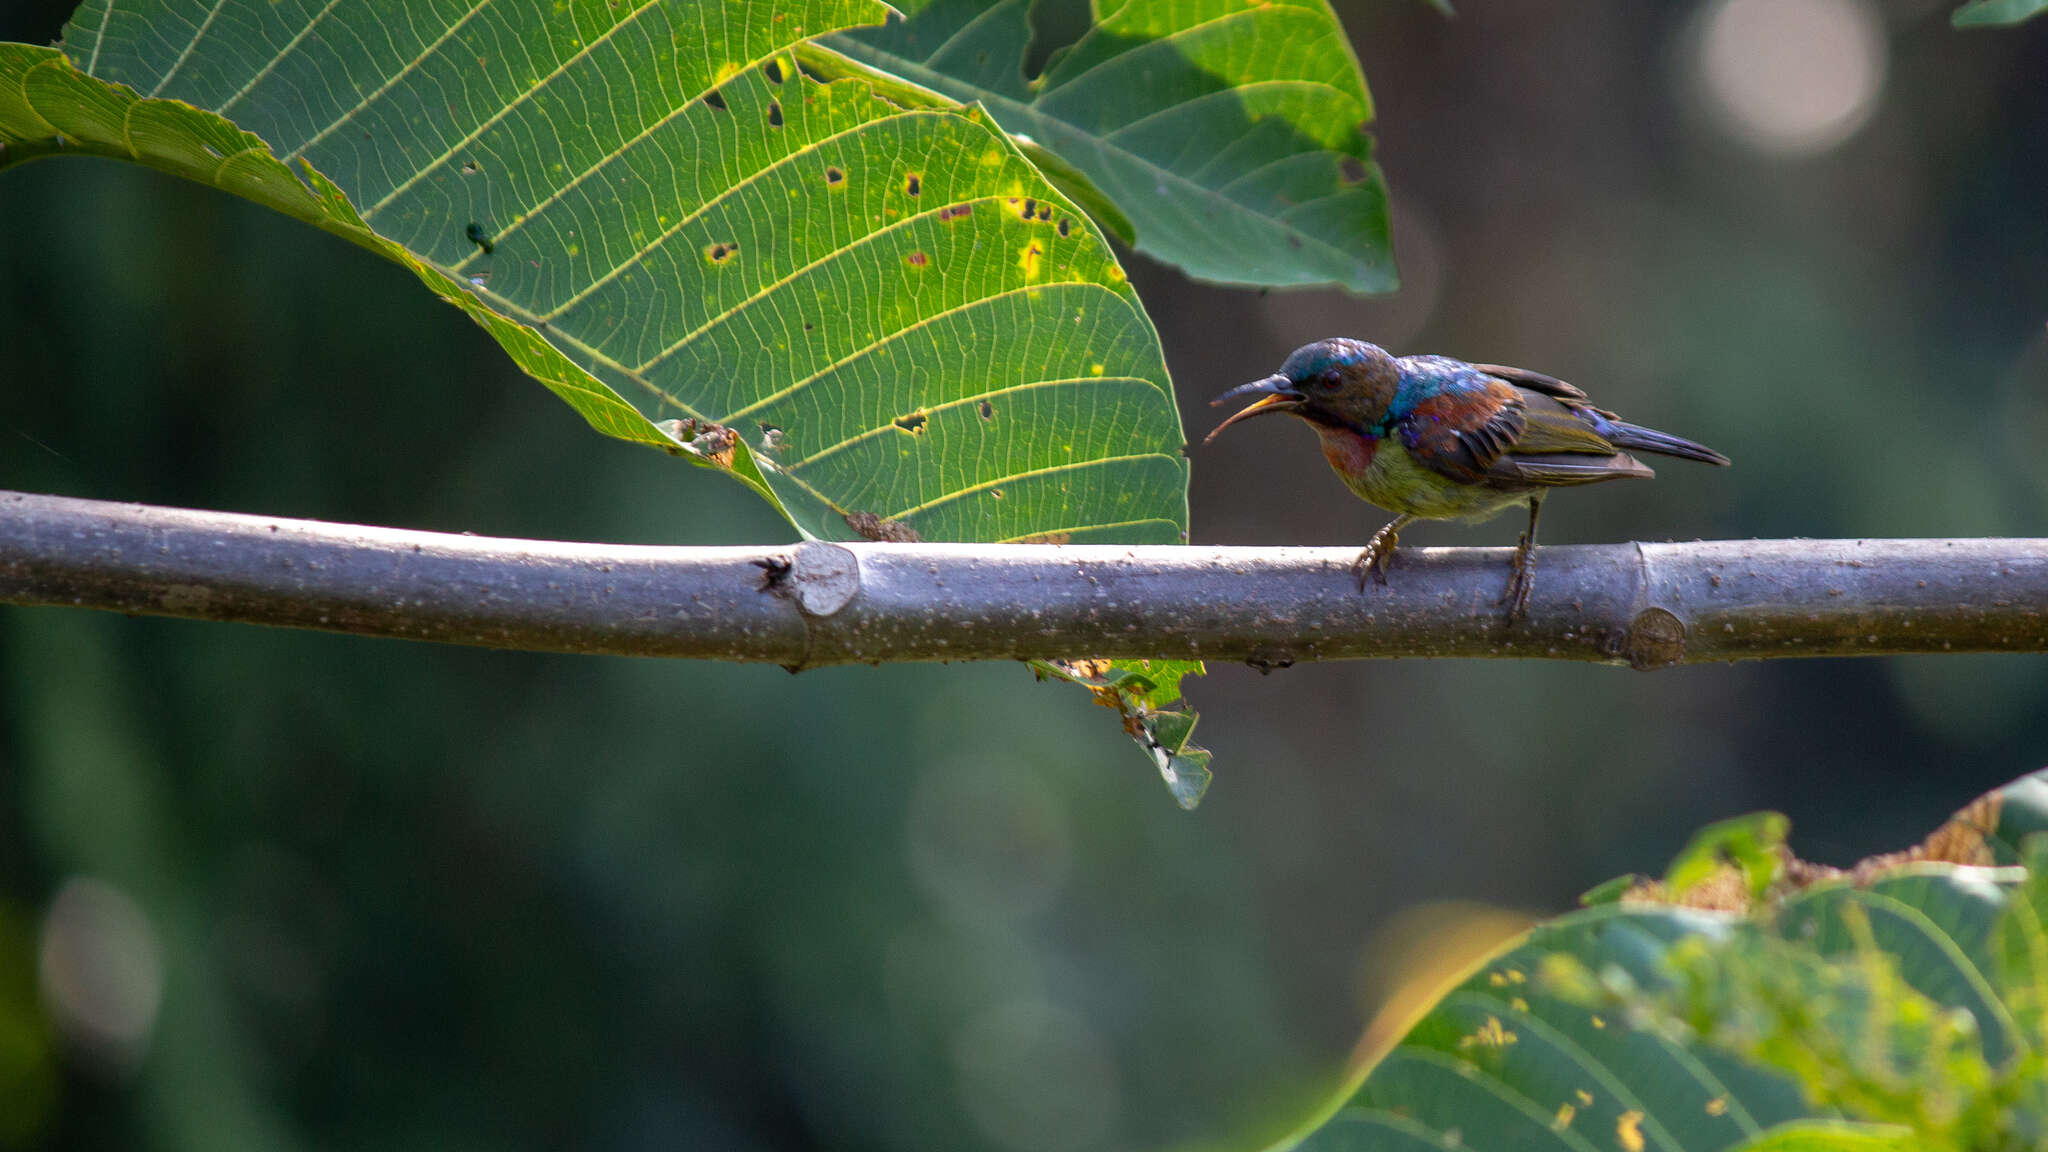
1230	132
886	319
1907	996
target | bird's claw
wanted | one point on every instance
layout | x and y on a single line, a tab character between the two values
1373	560
1522	583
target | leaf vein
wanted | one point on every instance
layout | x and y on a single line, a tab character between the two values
1027	474
937	408
567	62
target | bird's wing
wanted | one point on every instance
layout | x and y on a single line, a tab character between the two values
1559	426
1533	381
1559	445
1562	470
1464	432
1496	432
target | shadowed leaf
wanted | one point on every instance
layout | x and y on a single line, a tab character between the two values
1997	13
1901	1004
1229	132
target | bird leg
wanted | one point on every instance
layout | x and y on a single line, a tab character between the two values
1524	580
1379	550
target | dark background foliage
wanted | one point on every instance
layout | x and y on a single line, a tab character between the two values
273	890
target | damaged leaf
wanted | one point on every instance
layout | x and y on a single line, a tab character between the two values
1141	691
728	241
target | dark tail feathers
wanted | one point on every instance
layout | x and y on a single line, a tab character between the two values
1662	443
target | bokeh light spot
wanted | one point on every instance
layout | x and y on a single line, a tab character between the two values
101	971
1790	77
1034	1076
988	846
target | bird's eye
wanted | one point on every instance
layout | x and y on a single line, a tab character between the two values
1329	380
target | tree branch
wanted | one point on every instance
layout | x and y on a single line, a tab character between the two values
1649	605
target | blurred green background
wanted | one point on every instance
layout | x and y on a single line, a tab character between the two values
273	890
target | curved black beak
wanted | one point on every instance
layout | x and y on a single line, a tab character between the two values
1275	394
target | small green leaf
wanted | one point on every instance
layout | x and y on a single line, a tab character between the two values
1608	891
1162	676
1997	13
1140	691
1187	775
1170	731
1750	842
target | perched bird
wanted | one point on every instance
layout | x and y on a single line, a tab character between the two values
1431	438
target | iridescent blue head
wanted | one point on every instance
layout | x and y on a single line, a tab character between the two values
1339	382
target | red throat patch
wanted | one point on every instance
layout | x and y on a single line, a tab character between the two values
1347	451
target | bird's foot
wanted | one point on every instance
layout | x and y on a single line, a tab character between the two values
1523	582
1378	551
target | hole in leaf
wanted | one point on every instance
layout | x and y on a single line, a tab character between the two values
771	437
715	100
996	492
775	113
773	71
834	177
702	438
988	410
1045	211
720	253
911	184
911	422
1030	209
807	327
1351	169
471	168
919	259
476	235
1066	226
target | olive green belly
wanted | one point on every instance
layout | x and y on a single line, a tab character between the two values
1394	481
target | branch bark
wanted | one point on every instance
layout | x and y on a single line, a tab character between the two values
1646	605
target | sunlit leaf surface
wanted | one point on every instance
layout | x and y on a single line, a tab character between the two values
872	314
